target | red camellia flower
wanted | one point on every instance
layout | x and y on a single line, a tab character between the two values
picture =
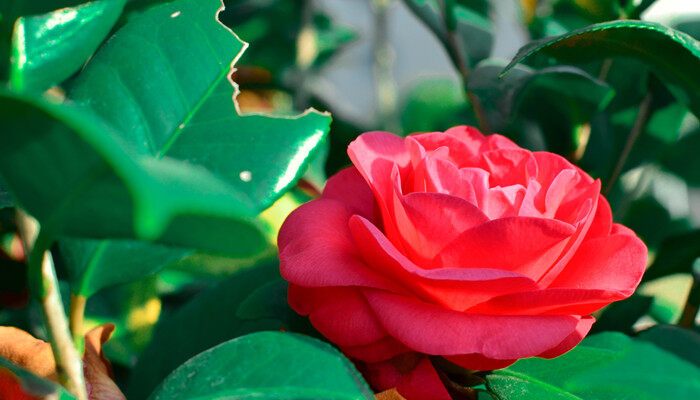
456	245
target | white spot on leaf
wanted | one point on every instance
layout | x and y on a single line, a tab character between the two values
175	14
245	176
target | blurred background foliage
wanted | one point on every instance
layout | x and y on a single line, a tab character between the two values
405	66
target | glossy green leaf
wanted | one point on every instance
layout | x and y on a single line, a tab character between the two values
49	48
161	80
266	365
674	56
30	383
675	255
93	265
604	366
207	320
691	26
10	11
71	171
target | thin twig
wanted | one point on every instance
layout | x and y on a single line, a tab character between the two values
69	366
454	53
637	128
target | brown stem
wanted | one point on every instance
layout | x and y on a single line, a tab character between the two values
637	128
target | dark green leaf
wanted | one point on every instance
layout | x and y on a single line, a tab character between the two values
605	366
682	158
95	264
672	55
5	196
51	47
682	342
32	384
207	320
189	116
622	315
266	365
676	255
69	170
269	301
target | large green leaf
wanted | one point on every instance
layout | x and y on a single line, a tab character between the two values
95	264
161	80
674	56
266	365
30	383
209	319
605	366
49	48
685	343
72	172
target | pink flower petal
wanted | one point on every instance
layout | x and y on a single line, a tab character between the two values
616	262
584	325
426	221
525	245
381	350
455	288
421	382
509	166
602	222
432	329
349	187
316	249
478	362
340	314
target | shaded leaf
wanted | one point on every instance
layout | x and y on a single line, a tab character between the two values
205	321
604	366
95	264
622	315
675	255
674	56
69	169
266	365
684	343
49	48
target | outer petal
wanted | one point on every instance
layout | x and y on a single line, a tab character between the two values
316	249
602	222
418	382
340	314
349	187
455	288
478	362
616	262
446	332
572	340
525	245
381	350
